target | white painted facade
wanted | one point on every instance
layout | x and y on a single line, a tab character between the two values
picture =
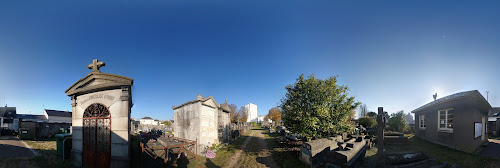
251	110
146	121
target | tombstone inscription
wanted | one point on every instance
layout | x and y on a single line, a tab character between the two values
98	100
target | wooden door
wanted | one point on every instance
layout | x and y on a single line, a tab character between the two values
96	136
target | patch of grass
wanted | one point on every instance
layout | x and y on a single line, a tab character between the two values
439	152
222	155
282	158
48	156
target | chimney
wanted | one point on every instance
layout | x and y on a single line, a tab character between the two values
435	95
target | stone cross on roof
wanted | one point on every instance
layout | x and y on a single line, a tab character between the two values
96	65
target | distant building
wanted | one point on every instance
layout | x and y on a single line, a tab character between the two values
260	119
251	110
409	119
457	121
8	118
47	125
149	121
494	121
56	116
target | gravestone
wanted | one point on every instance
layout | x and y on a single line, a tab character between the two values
101	104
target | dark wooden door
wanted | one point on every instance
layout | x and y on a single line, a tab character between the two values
96	136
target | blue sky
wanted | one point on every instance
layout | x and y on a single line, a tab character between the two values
393	54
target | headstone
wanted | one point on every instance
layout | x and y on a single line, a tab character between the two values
102	105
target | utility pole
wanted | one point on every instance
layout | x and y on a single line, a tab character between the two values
487	92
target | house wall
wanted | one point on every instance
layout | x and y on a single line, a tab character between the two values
467	111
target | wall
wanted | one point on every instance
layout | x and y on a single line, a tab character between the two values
223	126
466	110
42	130
187	122
120	126
208	119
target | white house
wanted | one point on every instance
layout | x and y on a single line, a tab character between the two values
251	110
149	121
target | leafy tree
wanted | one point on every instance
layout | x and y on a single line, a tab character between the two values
397	122
232	113
368	122
243	114
317	108
372	114
363	110
274	114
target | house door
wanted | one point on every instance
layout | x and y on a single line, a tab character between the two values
96	136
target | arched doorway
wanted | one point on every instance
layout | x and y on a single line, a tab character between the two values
96	136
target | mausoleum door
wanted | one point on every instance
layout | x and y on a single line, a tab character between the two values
96	136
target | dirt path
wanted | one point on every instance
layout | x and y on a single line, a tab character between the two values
267	160
256	154
233	161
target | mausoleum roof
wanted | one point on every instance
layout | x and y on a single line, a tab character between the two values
198	99
96	81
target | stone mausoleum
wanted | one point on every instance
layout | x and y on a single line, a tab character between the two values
101	119
202	120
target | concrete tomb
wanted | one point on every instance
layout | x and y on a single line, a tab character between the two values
102	105
202	120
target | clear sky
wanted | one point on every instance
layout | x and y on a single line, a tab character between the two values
393	54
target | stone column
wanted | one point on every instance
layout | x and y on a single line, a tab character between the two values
380	136
120	128
77	134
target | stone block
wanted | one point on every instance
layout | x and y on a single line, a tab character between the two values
76	157
119	123
77	122
119	136
77	144
119	149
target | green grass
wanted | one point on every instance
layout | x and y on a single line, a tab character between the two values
48	156
439	152
222	155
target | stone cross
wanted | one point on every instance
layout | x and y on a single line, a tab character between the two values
96	65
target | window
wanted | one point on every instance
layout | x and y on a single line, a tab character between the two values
422	121
445	119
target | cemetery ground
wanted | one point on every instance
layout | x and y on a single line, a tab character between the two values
45	148
438	152
255	148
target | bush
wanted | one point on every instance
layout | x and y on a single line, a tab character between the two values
368	122
398	123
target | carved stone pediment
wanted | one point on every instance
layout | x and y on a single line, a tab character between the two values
210	102
96	81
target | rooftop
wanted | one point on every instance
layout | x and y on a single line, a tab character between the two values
58	113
